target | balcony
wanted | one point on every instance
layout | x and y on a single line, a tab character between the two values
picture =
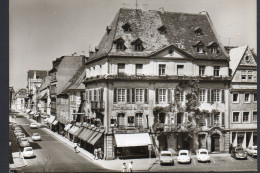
97	105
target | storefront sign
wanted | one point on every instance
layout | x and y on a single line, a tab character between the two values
130	107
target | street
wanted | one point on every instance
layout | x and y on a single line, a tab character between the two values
52	155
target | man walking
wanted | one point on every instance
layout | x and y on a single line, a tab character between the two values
123	168
75	147
130	167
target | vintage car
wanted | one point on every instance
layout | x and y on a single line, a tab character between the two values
36	137
166	157
238	153
184	157
28	152
33	125
23	142
203	155
252	151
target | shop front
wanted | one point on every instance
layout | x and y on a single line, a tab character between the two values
66	129
132	145
71	132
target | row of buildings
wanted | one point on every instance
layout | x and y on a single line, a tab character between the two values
157	80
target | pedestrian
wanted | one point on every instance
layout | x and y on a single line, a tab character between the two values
124	168
230	147
95	153
75	147
130	167
99	153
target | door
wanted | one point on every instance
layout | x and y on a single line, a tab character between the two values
215	142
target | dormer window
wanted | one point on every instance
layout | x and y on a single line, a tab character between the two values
120	46
198	31
138	45
96	48
213	47
127	27
162	29
108	29
199	46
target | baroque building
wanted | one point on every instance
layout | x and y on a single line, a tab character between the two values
142	77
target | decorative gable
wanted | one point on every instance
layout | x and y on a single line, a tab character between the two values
248	59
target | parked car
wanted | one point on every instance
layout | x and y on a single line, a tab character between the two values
33	126
238	153
184	156
36	137
17	131
23	142
28	152
166	157
252	151
17	128
203	155
20	134
19	138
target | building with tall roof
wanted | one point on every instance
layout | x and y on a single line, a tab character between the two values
142	77
21	100
243	97
34	80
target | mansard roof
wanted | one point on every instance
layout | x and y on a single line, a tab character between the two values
40	73
145	24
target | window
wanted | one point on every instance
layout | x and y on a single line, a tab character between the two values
95	95
162	69
255	97
121	95
139	95
121	68
180	69
139	119
170	51
200	49
130	121
127	27
120	46
217	118
202	95
254	116
216	70
250	77
245	116
213	49
216	95
162	95
162	118
139	69
201	70
162	29
247	98
181	96
236	117
247	58
121	119
138	47
243	77
235	98
113	122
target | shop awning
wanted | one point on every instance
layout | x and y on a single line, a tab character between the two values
73	130
28	110
31	113
78	131
93	136
96	138
51	119
86	134
67	127
132	140
55	123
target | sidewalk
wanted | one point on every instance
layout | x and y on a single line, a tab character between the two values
18	161
138	164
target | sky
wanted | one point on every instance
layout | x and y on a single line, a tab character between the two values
42	30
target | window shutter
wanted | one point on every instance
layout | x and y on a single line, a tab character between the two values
157	96
169	96
101	94
223	96
212	96
87	99
173	95
115	95
212	119
83	96
223	119
185	117
133	95
90	95
208	96
128	96
145	95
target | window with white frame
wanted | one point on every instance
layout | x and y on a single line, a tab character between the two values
213	49
255	97
121	119
217	118
121	95
139	69
216	95
95	95
200	49
245	118
130	121
235	98
121	68
139	95
139	119
201	70
247	98
202	95
216	70
243	77
254	116
250	77
180	70
113	121
236	117
162	95
162	69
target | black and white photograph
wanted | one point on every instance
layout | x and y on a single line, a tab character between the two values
132	86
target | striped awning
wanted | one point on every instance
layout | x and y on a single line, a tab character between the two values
73	130
78	131
55	122
96	138
86	134
67	127
51	119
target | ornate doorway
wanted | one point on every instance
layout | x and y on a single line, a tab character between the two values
215	142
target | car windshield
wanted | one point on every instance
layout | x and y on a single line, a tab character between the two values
36	134
203	152
239	149
183	154
166	154
28	149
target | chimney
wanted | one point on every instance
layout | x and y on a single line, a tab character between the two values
96	48
91	53
108	29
